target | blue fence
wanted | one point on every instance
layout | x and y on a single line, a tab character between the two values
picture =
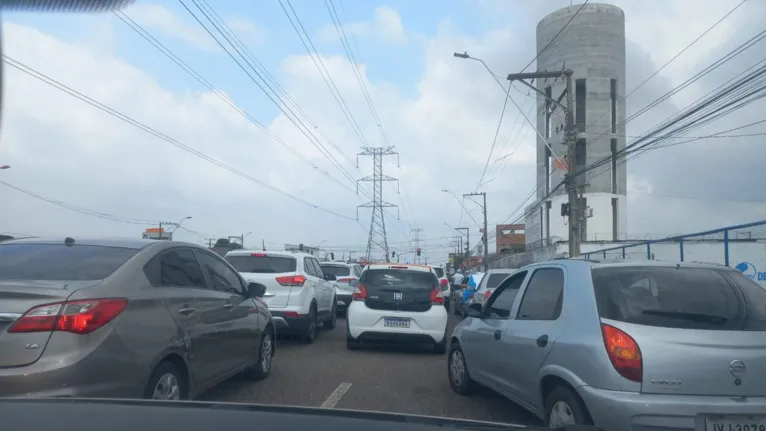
742	247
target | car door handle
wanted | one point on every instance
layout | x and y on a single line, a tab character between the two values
542	341
228	306
498	334
187	311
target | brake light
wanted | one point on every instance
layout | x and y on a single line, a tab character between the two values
258	255
623	352
344	280
291	280
78	317
291	314
487	294
444	282
360	293
400	267
436	297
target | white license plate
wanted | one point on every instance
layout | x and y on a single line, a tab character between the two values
399	323
735	423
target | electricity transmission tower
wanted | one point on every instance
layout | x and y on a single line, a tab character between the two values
376	239
415	239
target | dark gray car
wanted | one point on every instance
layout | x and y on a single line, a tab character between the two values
125	318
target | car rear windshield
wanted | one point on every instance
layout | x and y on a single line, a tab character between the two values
59	262
336	270
398	280
439	272
262	264
494	280
691	298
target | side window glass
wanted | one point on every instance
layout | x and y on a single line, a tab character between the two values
500	304
308	267
357	271
220	276
175	268
544	295
317	269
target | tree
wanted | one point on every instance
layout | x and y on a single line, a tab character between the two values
234	246
222	242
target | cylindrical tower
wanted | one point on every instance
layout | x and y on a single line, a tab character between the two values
592	45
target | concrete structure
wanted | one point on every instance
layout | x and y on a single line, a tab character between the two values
593	46
509	238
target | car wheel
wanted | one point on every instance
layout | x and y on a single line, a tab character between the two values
333	320
564	407
310	334
262	368
457	371
167	383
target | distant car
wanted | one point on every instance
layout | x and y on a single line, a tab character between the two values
299	295
345	273
489	283
444	287
628	345
126	318
397	303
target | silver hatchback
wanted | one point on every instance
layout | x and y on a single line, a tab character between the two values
125	318
631	345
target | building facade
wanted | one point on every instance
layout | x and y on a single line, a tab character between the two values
509	238
592	45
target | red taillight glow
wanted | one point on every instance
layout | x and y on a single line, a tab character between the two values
79	317
624	353
291	314
291	280
436	297
444	282
487	294
400	267
360	293
344	280
258	255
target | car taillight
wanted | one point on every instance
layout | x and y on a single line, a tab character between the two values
436	297
291	280
624	353
487	294
360	293
344	280
79	317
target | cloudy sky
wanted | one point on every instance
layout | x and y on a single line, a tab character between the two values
263	145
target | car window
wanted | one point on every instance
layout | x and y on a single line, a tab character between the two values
336	270
175	268
262	263
308	268
399	280
439	272
317	269
60	262
357	270
220	277
494	280
675	297
501	302
544	295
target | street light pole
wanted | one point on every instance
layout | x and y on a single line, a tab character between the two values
485	237
467	243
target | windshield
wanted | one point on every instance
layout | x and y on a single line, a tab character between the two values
439	272
336	270
60	262
262	264
398	280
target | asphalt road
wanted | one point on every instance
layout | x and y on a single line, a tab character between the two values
326	374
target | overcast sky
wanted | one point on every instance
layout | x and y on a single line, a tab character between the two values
203	154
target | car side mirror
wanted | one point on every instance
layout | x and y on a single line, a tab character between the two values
475	310
256	290
330	277
353	283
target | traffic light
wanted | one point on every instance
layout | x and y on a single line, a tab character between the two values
393	254
332	256
418	251
300	247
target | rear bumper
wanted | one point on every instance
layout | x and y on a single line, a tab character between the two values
288	323
648	412
425	327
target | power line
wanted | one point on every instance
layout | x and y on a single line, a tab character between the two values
74	93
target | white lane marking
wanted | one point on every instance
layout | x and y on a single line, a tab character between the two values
335	396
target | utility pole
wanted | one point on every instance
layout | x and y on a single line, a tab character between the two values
467	247
485	237
415	240
574	206
377	235
210	242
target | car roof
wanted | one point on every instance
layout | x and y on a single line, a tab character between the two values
134	243
406	266
333	263
276	253
628	263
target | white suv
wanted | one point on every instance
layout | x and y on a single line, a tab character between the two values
298	294
399	303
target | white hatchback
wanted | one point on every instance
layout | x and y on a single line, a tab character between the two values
397	303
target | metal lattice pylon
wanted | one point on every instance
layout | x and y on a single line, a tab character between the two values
376	239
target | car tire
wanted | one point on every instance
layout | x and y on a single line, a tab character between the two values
310	334
165	380
563	405
332	322
457	371
261	369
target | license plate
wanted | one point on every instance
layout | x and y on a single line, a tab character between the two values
391	322
735	423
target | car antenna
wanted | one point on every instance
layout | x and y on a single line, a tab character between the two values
69	241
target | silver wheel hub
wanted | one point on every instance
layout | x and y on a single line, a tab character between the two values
457	368
561	415
266	352
167	388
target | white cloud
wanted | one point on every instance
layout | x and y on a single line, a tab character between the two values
69	151
386	27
